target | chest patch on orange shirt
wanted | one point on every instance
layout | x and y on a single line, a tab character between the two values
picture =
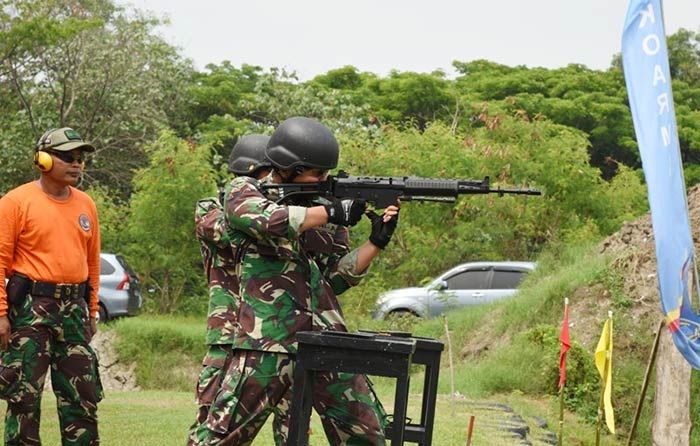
84	222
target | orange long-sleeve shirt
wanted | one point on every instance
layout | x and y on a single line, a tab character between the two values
49	240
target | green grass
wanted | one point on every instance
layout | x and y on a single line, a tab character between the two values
161	418
517	365
515	369
150	418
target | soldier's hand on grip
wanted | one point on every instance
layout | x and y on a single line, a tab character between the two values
346	212
383	226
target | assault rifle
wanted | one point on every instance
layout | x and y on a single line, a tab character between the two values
384	191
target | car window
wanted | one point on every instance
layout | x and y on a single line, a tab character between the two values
507	280
469	280
106	268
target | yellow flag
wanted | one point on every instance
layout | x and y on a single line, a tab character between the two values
603	362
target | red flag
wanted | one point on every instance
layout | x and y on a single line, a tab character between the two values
565	344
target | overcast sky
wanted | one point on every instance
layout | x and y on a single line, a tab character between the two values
313	36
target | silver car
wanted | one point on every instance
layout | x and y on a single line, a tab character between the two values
120	291
467	284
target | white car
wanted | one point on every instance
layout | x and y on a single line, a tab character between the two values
467	284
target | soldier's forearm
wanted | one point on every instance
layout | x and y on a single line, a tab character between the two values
365	254
315	216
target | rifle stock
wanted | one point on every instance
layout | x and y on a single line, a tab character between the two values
384	191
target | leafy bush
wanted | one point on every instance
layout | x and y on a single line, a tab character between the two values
113	215
576	206
580	390
161	223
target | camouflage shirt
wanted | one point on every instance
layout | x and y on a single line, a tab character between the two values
218	255
288	279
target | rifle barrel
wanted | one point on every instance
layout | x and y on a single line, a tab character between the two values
523	191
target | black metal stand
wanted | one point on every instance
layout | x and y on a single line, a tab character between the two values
371	354
354	353
427	353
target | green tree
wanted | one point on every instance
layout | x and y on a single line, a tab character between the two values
113	215
684	56
589	100
593	101
576	202
267	97
97	67
24	32
161	223
219	90
345	78
415	97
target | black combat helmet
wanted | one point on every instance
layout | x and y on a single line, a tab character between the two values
248	155
302	143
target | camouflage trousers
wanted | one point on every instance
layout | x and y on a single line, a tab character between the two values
208	384
50	332
257	384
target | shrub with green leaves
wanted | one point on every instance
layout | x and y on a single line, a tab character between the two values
113	215
576	205
580	389
163	247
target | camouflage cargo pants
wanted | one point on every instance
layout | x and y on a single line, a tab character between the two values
260	383
50	332
208	384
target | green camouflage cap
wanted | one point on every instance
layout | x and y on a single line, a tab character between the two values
64	139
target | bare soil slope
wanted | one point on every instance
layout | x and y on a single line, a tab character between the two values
633	252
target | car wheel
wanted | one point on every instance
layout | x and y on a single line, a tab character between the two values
402	313
103	314
402	319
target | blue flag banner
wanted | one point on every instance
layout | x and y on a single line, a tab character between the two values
645	62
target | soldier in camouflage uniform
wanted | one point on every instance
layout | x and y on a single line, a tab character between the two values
50	247
247	158
324	245
285	289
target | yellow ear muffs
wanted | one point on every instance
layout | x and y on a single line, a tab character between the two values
43	161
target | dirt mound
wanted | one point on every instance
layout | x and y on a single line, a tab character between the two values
633	252
633	248
114	374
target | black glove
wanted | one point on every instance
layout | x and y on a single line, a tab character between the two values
381	231
345	212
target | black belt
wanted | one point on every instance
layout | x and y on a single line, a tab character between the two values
59	290
55	290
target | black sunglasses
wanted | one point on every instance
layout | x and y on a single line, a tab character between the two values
68	157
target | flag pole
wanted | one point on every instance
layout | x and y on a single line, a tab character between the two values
599	420
560	441
470	430
645	384
561	416
601	401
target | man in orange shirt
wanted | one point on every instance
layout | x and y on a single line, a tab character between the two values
50	252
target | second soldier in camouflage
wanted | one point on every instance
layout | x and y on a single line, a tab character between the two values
218	248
